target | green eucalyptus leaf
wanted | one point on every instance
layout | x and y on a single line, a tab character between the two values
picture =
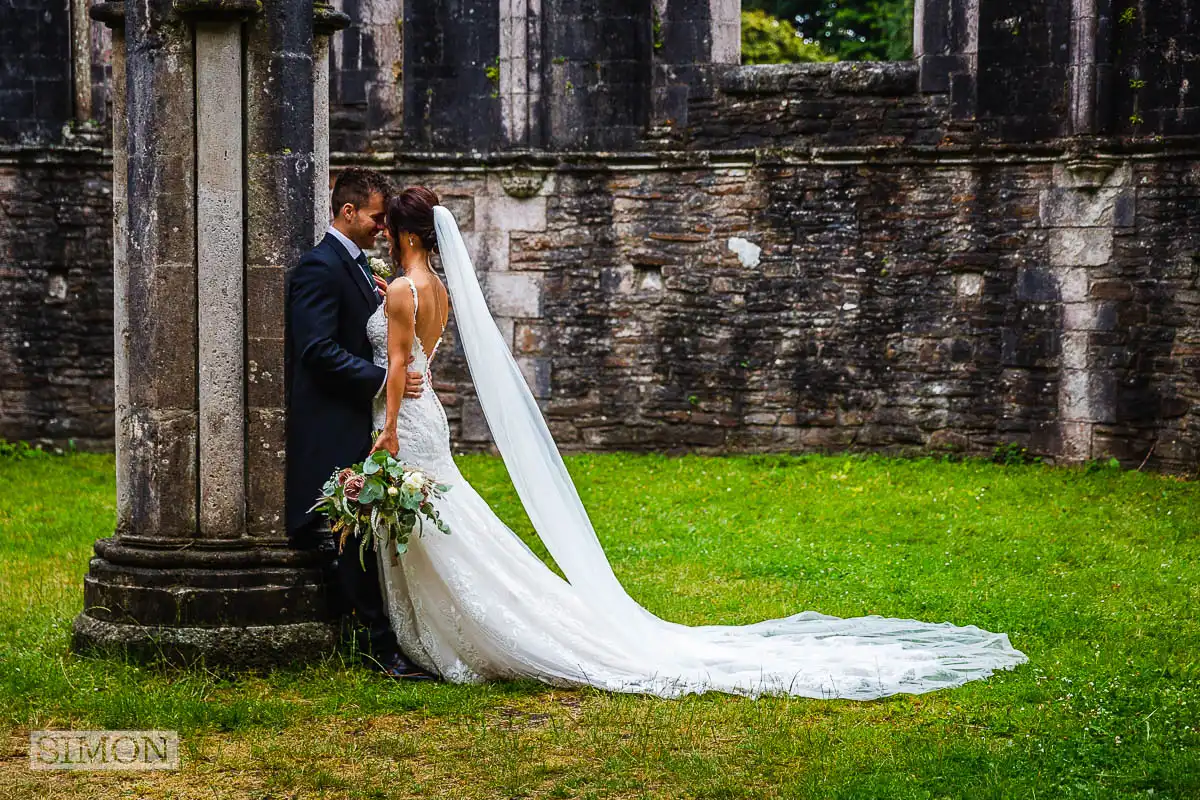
373	490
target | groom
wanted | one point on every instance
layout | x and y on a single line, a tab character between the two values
331	385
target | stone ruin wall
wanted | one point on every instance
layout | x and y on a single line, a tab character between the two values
945	262
56	304
906	296
55	230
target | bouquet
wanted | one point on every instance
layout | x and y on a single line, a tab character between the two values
380	500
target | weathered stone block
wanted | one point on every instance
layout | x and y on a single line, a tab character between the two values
266	458
474	428
1073	285
530	338
537	375
1063	207
1080	247
503	213
514	294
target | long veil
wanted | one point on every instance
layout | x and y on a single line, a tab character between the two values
750	659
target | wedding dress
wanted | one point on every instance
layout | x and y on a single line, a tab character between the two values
478	604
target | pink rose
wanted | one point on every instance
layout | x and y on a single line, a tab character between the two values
354	487
344	476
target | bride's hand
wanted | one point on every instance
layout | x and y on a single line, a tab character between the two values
387	441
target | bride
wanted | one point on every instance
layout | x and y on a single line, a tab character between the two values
478	604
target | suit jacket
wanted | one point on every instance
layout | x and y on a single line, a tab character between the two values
332	379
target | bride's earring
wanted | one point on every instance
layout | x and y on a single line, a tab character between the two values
410	242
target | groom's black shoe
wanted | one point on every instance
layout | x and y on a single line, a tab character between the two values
398	667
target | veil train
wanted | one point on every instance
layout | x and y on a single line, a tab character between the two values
807	654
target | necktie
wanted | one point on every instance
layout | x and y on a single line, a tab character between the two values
366	271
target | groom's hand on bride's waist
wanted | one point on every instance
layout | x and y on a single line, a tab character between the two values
413	386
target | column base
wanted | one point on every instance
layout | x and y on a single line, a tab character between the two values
256	646
234	604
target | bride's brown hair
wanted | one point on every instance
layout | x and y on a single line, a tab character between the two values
411	211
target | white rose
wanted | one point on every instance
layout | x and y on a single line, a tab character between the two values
393	491
414	481
379	267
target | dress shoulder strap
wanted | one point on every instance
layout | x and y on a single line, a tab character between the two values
413	287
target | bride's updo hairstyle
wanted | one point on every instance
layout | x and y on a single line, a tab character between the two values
411	212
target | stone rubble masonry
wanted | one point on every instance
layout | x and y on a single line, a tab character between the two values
36	91
56	302
910	294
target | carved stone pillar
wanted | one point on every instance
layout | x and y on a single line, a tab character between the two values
327	21
218	189
112	14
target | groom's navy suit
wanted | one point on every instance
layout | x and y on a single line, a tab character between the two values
332	382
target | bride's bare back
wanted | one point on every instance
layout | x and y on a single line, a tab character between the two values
417	308
414	314
433	310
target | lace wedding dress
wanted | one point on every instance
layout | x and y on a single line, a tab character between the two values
478	604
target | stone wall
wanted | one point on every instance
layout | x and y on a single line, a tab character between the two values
35	89
508	74
56	300
56	304
903	280
891	306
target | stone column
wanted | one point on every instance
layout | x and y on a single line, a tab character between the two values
327	21
1091	72
81	58
219	192
220	271
280	201
946	47
1088	203
520	64
1083	66
160	292
112	14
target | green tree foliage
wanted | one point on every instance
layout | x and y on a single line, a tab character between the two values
850	30
767	40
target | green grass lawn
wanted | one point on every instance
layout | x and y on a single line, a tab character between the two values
1095	575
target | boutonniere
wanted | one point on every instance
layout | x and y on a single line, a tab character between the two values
380	267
